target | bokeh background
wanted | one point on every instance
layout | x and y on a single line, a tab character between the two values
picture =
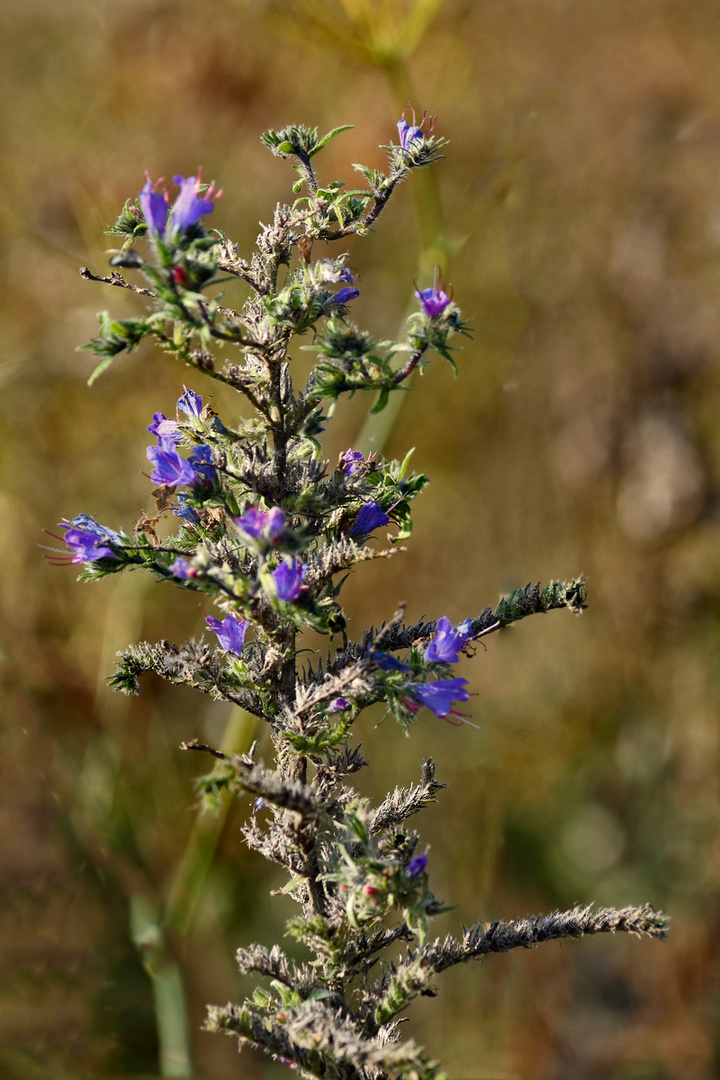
578	217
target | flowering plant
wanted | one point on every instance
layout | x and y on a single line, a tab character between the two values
254	519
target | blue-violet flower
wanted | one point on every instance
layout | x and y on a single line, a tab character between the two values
344	296
433	300
154	206
288	578
262	524
189	207
230	632
167	431
439	695
370	517
88	540
181	568
353	460
190	403
446	646
171	469
201	461
409	133
416	865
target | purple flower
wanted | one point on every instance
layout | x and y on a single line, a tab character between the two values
339	704
288	578
275	522
188	513
170	468
181	568
189	207
416	865
370	517
154	206
446	646
166	430
353	460
88	540
386	661
344	296
439	695
257	524
408	133
433	301
191	404
325	271
201	461
230	632
252	522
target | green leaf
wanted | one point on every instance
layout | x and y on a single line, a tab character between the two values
100	368
331	135
383	398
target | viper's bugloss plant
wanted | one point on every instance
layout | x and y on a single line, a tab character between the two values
254	518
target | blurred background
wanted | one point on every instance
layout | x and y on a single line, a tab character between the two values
577	215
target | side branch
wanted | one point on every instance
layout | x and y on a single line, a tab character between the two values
531	600
242	774
481	939
114	279
413	974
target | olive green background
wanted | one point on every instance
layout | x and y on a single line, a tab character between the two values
577	215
